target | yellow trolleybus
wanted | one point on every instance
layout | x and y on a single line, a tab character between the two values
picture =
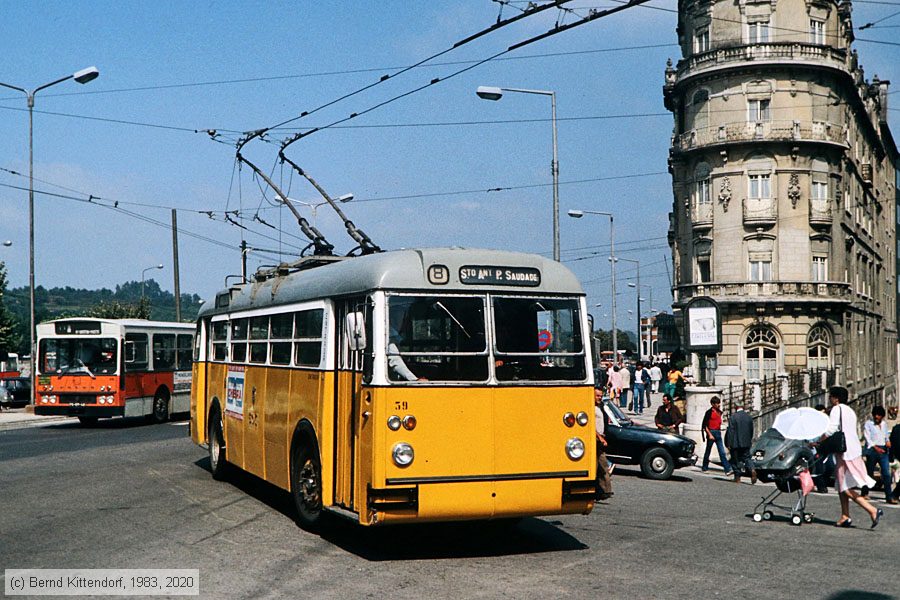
414	385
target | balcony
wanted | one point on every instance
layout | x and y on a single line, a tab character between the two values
767	131
760	211
755	292
771	53
702	215
820	212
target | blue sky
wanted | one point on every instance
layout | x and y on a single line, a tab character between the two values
262	63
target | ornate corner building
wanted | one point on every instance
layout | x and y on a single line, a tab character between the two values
784	176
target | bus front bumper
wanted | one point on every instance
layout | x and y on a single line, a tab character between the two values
70	410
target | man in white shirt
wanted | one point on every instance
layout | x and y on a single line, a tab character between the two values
604	486
878	449
625	378
655	377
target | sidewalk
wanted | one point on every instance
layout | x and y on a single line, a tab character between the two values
18	418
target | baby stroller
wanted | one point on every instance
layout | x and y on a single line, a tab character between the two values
783	461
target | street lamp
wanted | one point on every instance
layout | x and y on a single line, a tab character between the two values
159	266
638	290
82	76
577	214
649	325
314	206
495	93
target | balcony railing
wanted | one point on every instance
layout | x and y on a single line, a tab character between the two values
760	211
820	212
768	52
767	291
766	131
702	215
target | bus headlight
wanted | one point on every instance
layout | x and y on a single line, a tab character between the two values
393	423
582	418
403	454
569	419
575	448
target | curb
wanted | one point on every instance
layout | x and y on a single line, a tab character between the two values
33	422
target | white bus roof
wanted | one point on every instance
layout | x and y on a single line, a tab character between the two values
127	323
436	270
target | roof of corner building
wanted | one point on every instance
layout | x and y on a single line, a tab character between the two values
395	270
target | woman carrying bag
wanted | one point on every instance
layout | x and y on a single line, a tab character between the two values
850	474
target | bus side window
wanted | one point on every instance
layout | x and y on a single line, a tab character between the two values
163	351
219	340
183	352
308	337
135	351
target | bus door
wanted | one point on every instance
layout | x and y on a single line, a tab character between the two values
354	341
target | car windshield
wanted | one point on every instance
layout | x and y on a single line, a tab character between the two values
613	412
88	356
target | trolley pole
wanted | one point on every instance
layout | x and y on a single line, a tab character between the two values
175	263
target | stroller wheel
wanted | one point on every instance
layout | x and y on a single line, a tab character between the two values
757	517
796	519
767	515
807	517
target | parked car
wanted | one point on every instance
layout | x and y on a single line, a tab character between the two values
657	452
15	391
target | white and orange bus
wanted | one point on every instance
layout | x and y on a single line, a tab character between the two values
9	366
416	385
96	368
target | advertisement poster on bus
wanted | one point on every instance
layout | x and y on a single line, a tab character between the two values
234	392
181	382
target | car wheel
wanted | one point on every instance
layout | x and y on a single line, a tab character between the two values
657	463
306	484
215	439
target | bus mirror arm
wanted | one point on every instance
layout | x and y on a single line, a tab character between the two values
355	327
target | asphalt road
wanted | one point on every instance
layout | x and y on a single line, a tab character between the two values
129	495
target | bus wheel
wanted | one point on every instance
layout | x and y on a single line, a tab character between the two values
88	421
216	441
306	484
160	412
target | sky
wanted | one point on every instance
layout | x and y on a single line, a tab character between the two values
419	167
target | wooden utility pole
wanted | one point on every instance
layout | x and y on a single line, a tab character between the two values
175	263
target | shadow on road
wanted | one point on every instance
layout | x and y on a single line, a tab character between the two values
114	423
420	541
635	471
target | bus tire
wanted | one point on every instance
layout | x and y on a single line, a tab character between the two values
88	421
160	412
306	482
215	439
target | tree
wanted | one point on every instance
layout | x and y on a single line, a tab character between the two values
120	310
604	340
10	335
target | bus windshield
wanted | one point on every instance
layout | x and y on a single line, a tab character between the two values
538	339
89	356
437	338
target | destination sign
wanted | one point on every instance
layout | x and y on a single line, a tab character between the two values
78	328
496	275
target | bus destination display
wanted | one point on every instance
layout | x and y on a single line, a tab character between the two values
494	275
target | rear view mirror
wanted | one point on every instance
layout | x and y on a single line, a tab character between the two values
355	329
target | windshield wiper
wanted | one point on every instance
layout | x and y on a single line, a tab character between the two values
79	364
440	305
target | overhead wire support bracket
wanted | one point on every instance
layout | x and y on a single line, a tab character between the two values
321	246
366	245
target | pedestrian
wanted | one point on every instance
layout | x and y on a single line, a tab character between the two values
615	385
739	439
823	468
878	450
641	383
711	431
604	484
668	417
672	381
850	473
655	377
625	379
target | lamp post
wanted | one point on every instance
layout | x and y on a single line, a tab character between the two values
577	214
314	206
495	93
82	76
638	290
159	266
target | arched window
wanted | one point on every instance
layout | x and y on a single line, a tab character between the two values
818	348
761	353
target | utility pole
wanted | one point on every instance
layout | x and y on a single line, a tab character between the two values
175	262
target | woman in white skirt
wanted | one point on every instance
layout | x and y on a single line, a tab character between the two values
850	473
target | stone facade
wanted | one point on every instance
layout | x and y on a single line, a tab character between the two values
784	185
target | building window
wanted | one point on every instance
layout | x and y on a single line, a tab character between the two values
758	111
820	190
703	195
817	32
820	268
818	348
760	270
758	33
704	274
761	353
701	40
760	187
